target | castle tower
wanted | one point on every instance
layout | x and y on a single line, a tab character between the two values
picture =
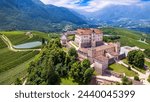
117	47
93	42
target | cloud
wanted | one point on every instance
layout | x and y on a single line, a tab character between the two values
91	5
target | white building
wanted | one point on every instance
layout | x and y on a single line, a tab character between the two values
89	38
126	49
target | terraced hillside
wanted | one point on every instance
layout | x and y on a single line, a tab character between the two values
14	64
129	37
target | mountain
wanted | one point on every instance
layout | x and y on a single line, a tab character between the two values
128	16
34	15
115	12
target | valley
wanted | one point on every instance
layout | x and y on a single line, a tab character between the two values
14	64
46	41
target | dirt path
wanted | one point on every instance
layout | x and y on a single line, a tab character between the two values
24	83
10	46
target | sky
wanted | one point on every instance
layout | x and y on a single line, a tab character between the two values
92	5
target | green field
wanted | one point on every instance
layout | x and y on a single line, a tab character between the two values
2	44
14	64
19	37
9	76
10	59
128	37
71	37
121	69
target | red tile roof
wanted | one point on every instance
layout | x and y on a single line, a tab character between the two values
104	47
101	58
88	31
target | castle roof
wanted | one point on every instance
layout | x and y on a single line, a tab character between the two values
104	47
88	31
101	58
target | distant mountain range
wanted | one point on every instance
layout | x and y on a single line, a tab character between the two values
128	16
34	15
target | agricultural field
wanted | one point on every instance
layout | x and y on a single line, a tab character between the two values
14	64
2	44
128	37
20	37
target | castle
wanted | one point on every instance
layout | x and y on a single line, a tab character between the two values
91	46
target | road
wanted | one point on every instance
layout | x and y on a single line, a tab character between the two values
109	78
10	46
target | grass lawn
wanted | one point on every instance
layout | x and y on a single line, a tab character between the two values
121	69
71	37
68	81
125	61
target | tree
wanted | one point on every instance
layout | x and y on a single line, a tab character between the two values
75	72
72	52
126	81
88	75
18	82
43	41
57	42
136	58
136	78
147	53
131	56
81	72
47	68
57	55
139	59
53	78
85	63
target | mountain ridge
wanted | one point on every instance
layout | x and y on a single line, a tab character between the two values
34	15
